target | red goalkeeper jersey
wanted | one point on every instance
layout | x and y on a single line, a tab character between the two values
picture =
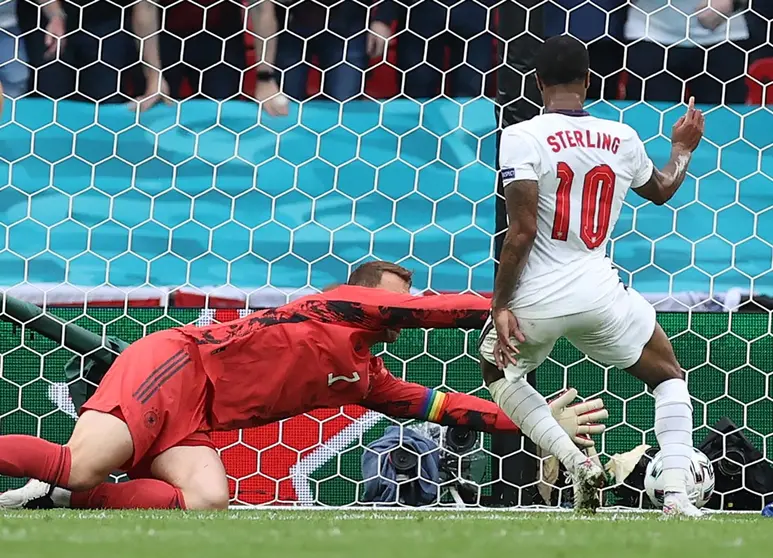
315	352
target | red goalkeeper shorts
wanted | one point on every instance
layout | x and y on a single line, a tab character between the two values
158	387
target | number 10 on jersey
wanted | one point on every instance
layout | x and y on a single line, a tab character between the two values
598	191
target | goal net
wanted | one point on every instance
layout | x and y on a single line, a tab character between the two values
197	210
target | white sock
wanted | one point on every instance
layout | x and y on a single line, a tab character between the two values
673	429
531	413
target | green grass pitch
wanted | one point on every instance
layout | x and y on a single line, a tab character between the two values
368	534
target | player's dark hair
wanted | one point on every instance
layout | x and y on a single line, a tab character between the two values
369	274
562	60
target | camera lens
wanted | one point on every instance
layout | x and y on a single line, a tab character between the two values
403	460
732	463
461	440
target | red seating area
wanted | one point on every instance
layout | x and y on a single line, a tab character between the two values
759	82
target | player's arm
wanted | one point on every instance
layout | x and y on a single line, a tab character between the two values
520	163
521	202
377	309
659	185
400	399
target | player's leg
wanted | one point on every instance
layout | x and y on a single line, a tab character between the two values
99	444
627	335
198	472
530	411
119	423
660	370
145	405
516	397
184	477
166	415
145	493
190	476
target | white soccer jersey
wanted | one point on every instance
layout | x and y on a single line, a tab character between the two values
584	167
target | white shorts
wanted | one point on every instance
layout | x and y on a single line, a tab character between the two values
614	334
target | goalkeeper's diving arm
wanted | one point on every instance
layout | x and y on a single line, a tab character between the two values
377	309
400	399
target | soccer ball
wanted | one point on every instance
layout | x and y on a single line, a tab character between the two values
700	485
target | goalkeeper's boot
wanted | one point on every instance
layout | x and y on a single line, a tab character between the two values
35	495
677	504
588	480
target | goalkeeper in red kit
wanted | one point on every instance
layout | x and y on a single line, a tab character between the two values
153	412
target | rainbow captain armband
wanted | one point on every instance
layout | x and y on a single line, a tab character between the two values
434	403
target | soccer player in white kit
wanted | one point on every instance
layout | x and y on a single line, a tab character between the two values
565	175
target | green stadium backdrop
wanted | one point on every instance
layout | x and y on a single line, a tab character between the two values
315	459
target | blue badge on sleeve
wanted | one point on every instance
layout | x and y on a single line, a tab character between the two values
508	173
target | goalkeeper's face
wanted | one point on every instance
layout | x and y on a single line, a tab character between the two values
396	284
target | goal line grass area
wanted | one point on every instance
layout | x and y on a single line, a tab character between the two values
374	534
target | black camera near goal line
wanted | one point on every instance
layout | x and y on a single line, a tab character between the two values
460	469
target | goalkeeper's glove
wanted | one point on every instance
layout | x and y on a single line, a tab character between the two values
580	420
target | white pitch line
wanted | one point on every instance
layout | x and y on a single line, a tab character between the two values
301	472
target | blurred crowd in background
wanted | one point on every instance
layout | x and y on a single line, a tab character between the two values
113	50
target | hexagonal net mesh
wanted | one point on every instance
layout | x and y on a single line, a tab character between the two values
128	221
